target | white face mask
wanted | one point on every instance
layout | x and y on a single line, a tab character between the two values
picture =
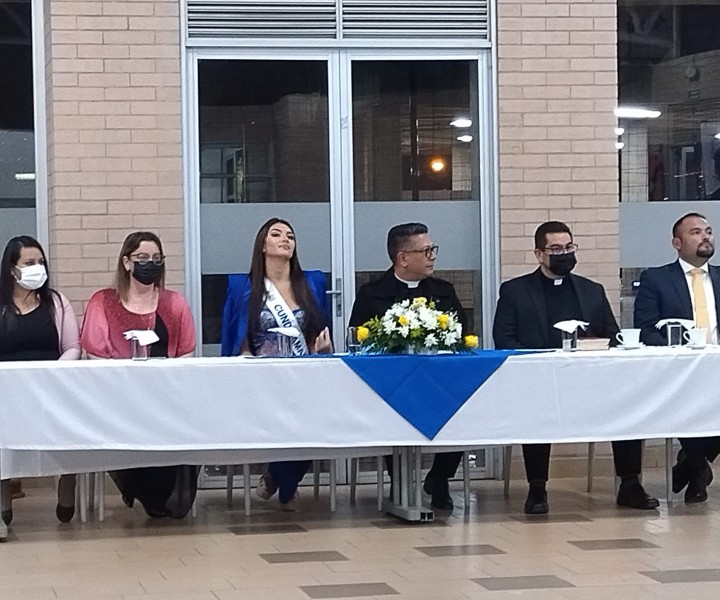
32	277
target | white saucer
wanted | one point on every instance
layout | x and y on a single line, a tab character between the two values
633	347
696	346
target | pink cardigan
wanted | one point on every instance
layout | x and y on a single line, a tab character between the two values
106	319
67	327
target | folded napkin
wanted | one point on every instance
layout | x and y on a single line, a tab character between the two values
571	326
686	323
144	337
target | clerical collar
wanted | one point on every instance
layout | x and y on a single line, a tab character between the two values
410	284
550	281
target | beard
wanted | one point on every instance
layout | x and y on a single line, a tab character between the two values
705	250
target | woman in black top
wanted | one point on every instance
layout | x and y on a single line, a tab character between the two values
36	323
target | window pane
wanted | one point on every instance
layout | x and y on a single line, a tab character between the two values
669	61
413	133
17	138
264	127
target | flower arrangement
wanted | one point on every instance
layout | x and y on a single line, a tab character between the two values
414	326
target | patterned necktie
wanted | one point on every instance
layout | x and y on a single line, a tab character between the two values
701	310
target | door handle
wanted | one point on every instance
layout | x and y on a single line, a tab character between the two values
336	294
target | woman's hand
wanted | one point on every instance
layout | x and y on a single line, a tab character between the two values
323	343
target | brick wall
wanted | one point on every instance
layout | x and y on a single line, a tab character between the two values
557	91
114	136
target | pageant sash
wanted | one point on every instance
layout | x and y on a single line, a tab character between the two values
284	316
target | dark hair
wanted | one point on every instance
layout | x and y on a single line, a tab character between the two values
398	235
681	220
132	243
10	257
314	320
549	227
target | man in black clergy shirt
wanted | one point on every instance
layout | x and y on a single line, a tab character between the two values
528	308
413	255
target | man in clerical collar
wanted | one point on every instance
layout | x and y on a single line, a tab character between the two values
413	255
527	310
688	288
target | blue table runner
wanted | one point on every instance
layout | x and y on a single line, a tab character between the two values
427	390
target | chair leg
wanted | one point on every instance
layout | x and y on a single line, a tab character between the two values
507	464
82	487
333	485
316	479
380	475
230	481
100	490
91	492
353	480
668	470
642	460
466	481
193	508
590	466
246	488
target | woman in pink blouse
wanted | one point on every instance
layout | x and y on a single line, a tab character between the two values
36	323
139	300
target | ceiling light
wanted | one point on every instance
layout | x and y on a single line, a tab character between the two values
619	145
717	136
437	165
461	122
619	131
465	138
636	112
25	176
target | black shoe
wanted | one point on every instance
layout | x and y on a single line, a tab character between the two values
683	472
633	495
157	512
7	516
439	493
696	491
537	502
64	513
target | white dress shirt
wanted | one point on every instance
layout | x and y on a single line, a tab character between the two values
709	294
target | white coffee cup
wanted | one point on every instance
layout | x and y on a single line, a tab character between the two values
696	336
629	337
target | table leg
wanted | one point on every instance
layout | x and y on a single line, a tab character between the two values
406	502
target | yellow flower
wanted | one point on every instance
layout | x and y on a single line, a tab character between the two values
362	334
419	301
443	321
471	341
403	320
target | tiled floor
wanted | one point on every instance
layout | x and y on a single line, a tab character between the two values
585	549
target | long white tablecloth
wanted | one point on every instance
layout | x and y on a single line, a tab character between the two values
78	413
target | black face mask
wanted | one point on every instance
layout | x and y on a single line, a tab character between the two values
147	273
562	264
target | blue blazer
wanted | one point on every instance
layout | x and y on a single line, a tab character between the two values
235	312
664	294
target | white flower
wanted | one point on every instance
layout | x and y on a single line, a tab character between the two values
430	340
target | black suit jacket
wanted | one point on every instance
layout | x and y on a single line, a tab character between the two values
374	298
521	318
664	294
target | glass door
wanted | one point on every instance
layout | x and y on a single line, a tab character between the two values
263	150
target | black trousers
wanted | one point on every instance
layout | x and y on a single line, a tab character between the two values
444	466
627	456
700	449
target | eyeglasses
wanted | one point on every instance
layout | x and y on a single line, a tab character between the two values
561	249
144	259
430	251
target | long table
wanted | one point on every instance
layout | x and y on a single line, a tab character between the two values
80	416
